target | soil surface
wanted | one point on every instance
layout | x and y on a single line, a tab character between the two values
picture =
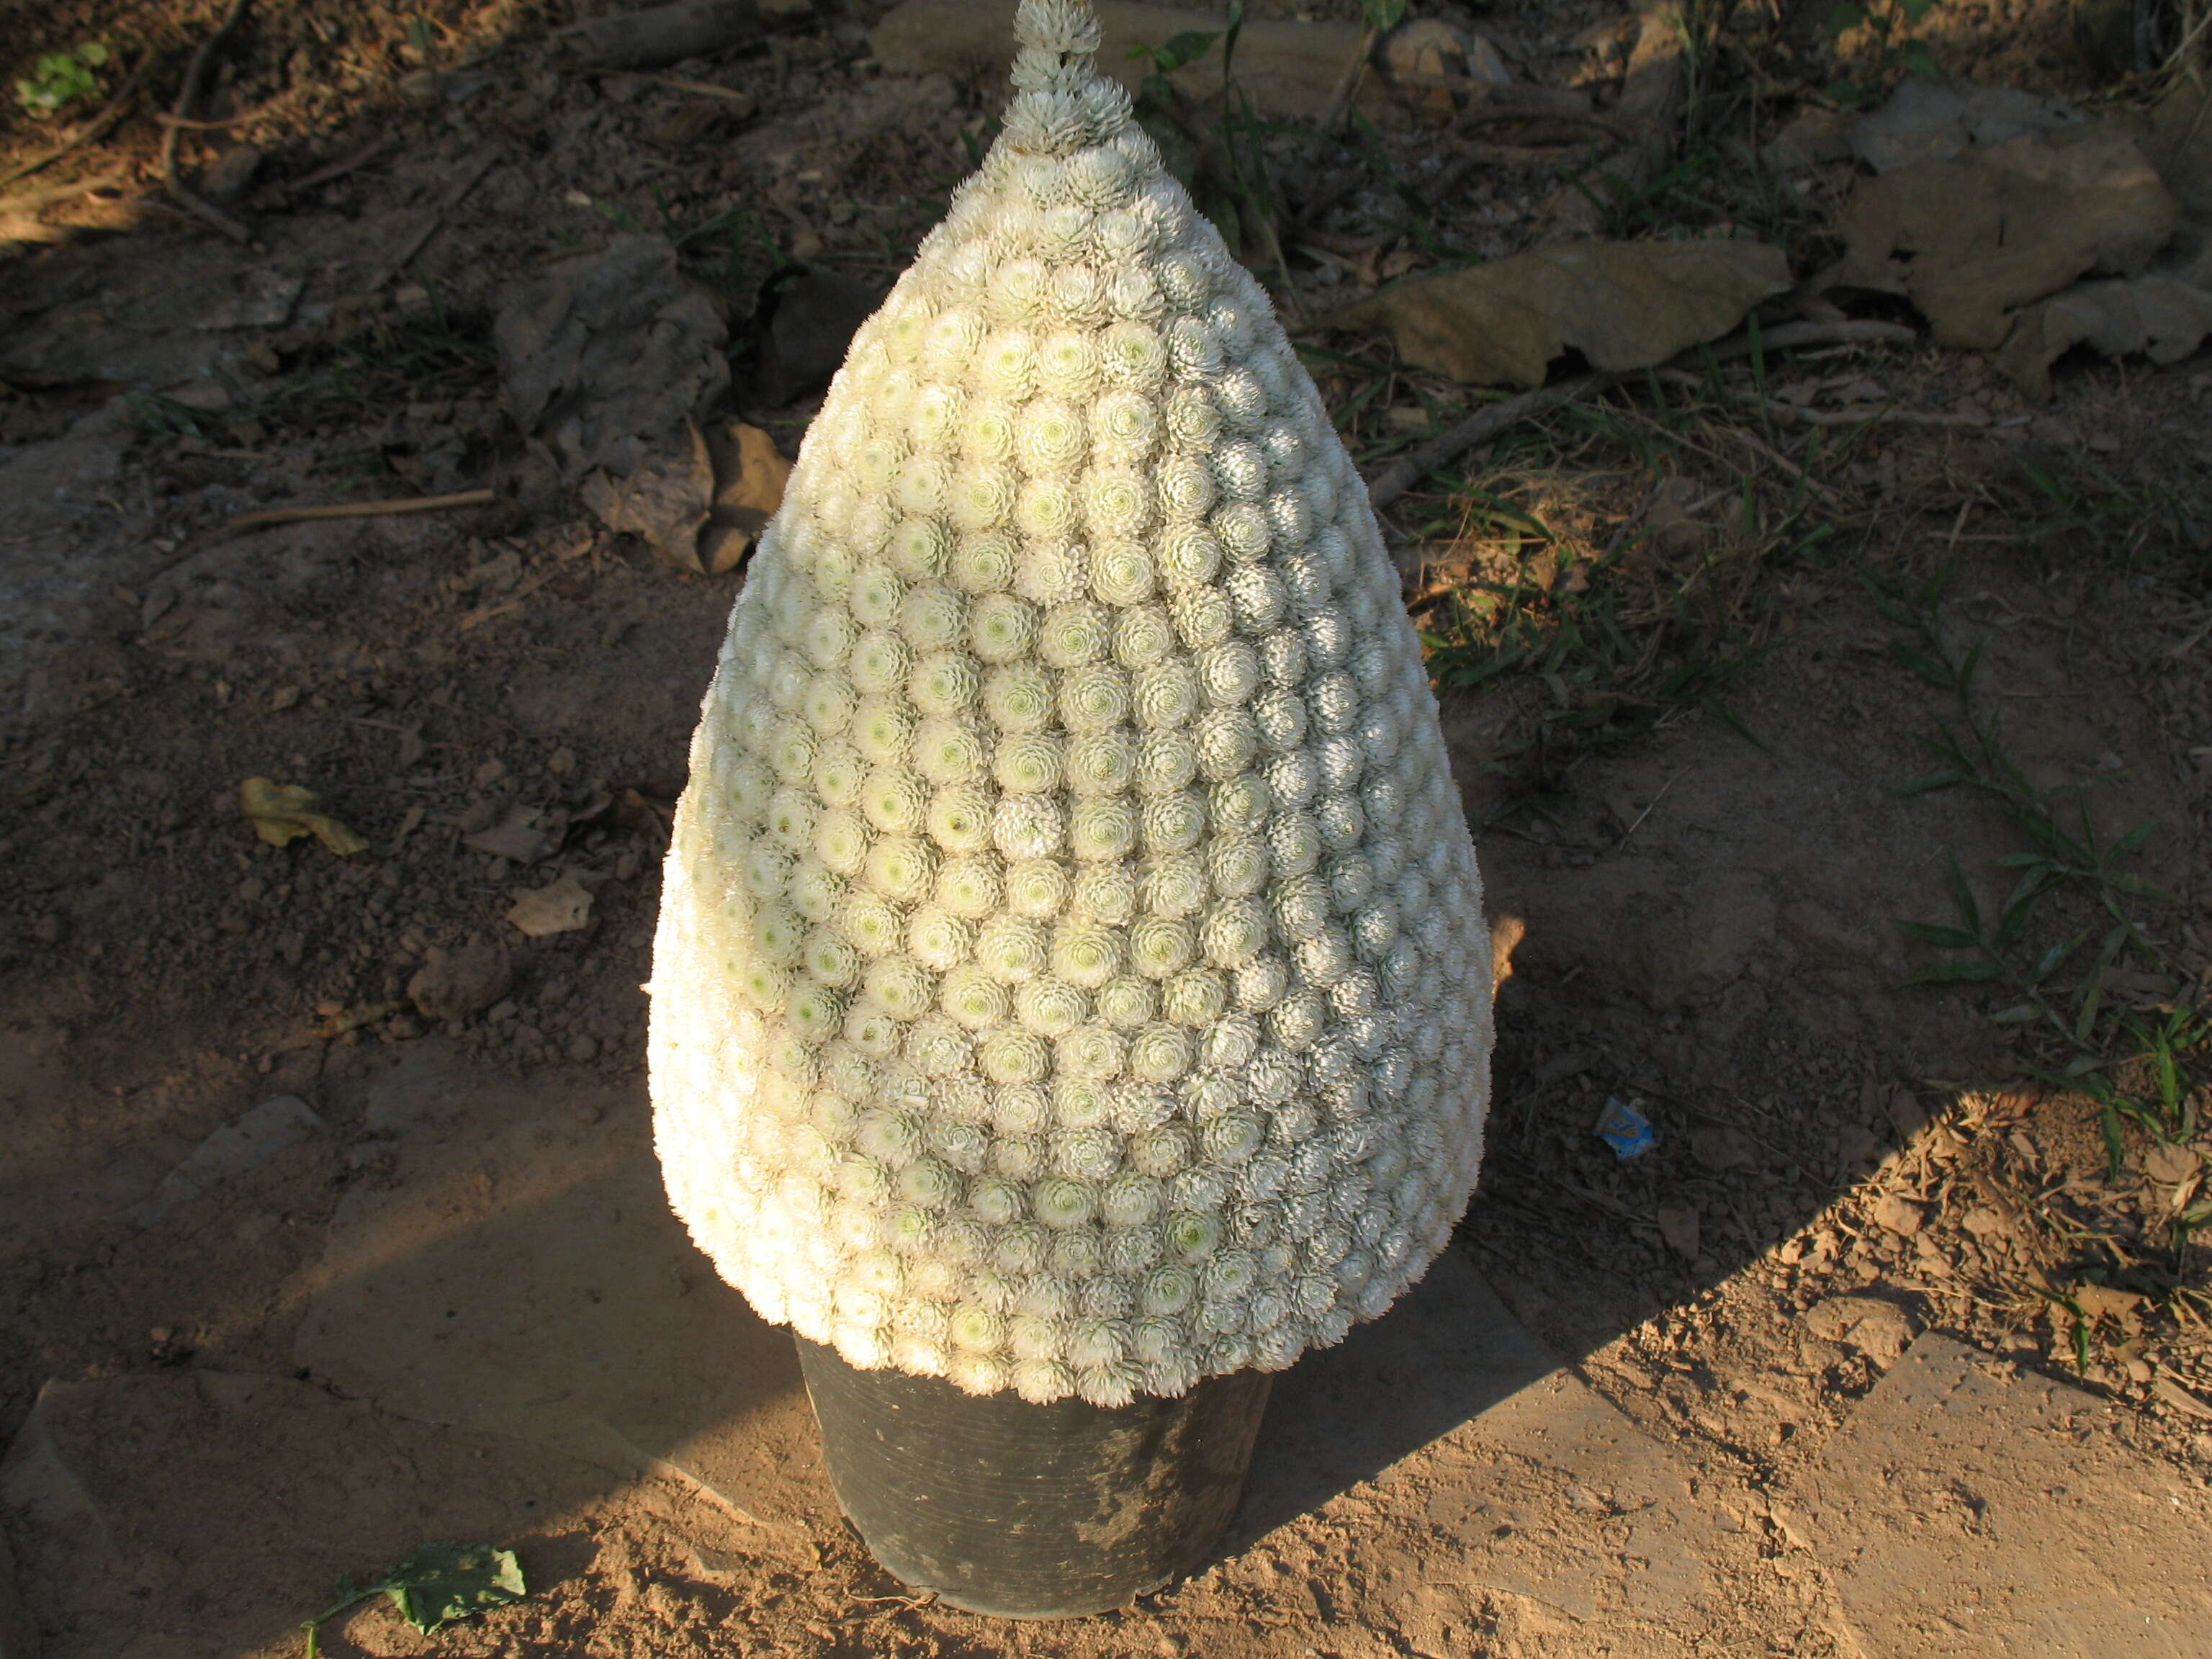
329	1227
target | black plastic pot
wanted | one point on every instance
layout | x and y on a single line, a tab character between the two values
1027	1511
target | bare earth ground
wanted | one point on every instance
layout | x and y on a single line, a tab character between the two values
1884	1348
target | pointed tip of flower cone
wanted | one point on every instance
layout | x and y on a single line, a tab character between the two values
1072	976
1064	28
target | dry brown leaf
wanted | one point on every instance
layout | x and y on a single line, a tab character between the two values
1971	239
560	906
282	813
2178	1397
749	474
664	500
1622	305
2165	316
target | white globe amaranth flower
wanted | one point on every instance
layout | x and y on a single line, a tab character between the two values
1070	978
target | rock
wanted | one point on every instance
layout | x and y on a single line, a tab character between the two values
1679	1227
1932	120
1876	1328
457	985
816	315
750	475
559	907
1722	1146
1448	1352
1541	1491
246	1143
1425	59
1809	139
232	173
1672	517
522	836
662	34
170	1513
1970	1509
722	547
1899	1215
2170	1165
520	1274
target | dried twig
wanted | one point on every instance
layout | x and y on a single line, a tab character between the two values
1347	85
195	545
1484	423
359	509
375	151
204	211
47	194
1851	415
1403	473
267	112
1568	117
434	221
674	82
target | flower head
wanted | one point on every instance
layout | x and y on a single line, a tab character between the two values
1071	978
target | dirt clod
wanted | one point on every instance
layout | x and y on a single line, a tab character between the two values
459	984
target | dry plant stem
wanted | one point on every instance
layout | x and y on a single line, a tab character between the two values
200	543
1484	423
1857	415
338	169
117	108
206	212
434	221
1401	474
674	82
1347	88
265	113
359	509
1501	117
26	201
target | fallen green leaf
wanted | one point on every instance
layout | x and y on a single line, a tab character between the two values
434	1586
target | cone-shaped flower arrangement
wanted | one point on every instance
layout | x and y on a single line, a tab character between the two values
1071	975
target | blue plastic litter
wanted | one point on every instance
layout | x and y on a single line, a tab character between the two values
1627	1130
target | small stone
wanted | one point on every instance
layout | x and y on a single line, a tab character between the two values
559	907
2170	1165
721	546
1898	1215
1721	1147
717	1566
1876	1328
451	988
584	1048
1679	1227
